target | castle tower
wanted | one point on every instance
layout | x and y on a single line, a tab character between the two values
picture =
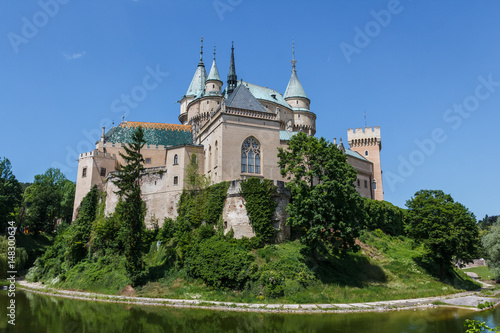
367	142
213	84
195	88
295	96
232	78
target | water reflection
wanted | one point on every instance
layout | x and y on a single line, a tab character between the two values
38	313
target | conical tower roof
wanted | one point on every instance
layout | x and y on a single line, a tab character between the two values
200	76
294	88
214	72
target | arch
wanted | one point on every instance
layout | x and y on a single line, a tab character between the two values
251	156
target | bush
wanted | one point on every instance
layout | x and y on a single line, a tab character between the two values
21	257
218	262
385	216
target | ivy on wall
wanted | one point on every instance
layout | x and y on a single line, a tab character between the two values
203	205
260	205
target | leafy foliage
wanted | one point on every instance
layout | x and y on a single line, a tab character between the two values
324	200
491	244
260	205
50	197
475	326
10	193
219	263
445	227
384	216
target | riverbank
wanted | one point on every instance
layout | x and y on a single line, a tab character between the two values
467	300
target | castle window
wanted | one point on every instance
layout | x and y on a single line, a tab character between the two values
176	180
213	86
176	159
250	156
148	160
366	183
193	158
366	152
218	102
84	172
358	183
209	157
103	172
374	184
207	102
216	153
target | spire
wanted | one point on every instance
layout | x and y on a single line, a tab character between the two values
232	79
214	73
294	88
200	76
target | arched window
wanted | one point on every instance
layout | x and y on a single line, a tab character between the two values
209	157
250	156
216	154
176	159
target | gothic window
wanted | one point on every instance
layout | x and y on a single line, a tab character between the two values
250	156
176	159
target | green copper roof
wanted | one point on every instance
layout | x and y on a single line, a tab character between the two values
267	94
154	133
355	155
198	82
287	135
214	73
294	88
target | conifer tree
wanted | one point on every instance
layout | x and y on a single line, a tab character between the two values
131	208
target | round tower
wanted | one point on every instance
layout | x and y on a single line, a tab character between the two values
195	88
295	96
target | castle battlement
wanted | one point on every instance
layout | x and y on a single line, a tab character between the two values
96	153
363	133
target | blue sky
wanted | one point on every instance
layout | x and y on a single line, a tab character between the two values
427	72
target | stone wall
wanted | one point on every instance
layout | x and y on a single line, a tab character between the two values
235	215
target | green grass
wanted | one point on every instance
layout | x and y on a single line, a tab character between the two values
483	272
387	268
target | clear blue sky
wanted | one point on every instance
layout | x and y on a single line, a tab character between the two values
426	72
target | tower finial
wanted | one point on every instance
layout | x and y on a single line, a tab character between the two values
214	51
232	78
293	55
201	51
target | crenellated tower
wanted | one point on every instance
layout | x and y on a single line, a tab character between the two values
367	142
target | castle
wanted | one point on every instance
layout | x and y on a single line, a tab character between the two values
233	134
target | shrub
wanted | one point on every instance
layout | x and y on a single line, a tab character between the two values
221	264
385	216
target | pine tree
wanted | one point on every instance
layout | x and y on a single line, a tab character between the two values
131	208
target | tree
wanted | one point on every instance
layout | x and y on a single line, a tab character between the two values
324	200
10	192
445	227
491	244
44	200
131	208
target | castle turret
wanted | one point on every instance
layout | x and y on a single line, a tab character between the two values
232	78
213	84
196	87
295	96
368	143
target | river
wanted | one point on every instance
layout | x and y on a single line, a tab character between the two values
39	313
